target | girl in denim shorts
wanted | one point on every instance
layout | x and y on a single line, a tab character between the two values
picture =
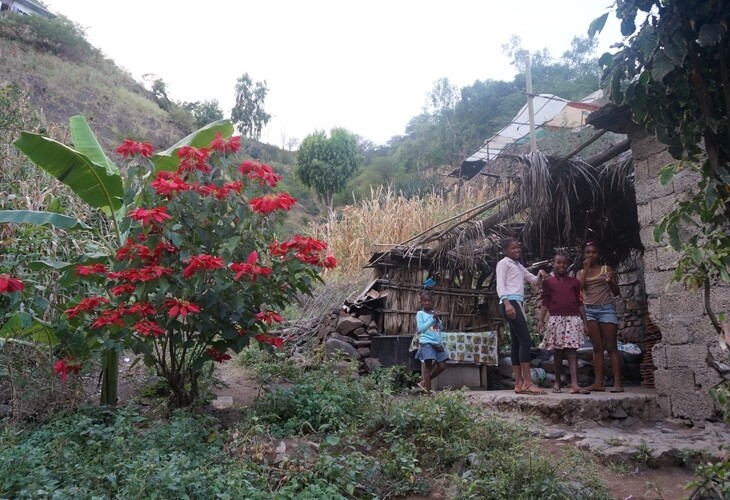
599	289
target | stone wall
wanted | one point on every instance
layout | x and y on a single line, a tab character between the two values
688	342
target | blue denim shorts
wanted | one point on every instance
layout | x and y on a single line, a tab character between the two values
603	314
426	352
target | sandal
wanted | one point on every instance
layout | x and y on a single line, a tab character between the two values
580	391
617	389
534	390
421	387
557	390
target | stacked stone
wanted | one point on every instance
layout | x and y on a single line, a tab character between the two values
348	335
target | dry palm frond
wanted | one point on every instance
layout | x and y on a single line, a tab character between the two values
619	171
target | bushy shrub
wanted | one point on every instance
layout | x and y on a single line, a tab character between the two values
94	453
59	36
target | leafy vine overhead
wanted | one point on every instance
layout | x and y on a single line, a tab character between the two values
673	72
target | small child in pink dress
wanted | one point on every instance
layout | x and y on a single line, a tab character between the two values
566	328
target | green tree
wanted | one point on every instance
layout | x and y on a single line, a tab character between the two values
205	112
325	164
573	76
673	72
248	113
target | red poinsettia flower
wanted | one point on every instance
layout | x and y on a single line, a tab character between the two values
64	367
192	159
86	305
224	146
130	147
132	250
168	183
141	308
218	355
250	268
148	327
180	307
259	172
269	317
148	216
277	342
202	261
308	245
87	270
118	290
272	202
10	285
110	317
329	262
141	275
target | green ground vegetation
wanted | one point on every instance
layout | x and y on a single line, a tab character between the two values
346	437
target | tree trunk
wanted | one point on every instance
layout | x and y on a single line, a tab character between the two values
110	377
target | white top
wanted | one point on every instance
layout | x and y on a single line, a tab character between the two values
511	276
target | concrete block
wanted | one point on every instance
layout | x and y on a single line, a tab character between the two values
641	170
650	260
686	356
655	282
457	376
681	303
660	158
685	181
706	377
649	150
651	189
644	215
677	333
666	258
662	206
659	357
695	405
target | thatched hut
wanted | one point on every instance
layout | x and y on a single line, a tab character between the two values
546	202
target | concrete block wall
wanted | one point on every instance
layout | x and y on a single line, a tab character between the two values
689	343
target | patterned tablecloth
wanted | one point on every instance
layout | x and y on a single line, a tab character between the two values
472	347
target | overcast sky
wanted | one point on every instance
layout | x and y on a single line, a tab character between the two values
363	65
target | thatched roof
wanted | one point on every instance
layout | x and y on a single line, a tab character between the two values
547	203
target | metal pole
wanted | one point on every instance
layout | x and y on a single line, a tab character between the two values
530	109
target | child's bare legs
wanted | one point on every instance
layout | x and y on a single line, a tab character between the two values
425	383
609	333
558	361
440	367
594	332
573	366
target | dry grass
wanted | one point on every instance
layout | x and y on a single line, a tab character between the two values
387	219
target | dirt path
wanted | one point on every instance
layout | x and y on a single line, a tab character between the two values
632	480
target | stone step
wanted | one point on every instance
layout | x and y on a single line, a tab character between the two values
634	406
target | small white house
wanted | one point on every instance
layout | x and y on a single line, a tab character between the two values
25	7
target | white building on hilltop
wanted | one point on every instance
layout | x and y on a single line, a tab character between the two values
25	7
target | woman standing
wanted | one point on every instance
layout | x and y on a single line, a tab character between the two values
599	289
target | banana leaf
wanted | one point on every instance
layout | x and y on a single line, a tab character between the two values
91	181
85	142
24	325
40	218
201	138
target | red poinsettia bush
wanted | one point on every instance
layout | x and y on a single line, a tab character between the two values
201	272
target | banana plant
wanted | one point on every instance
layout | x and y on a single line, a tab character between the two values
94	178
